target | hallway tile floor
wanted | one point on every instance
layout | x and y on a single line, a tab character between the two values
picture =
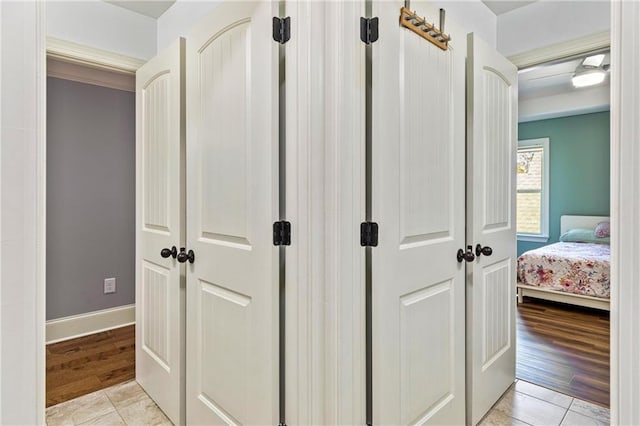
122	404
523	404
528	404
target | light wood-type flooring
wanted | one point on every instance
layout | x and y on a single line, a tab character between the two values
87	364
564	348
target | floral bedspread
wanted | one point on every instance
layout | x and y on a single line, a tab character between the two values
580	268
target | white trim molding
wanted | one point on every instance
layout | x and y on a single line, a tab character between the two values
325	293
562	50
1	131
41	208
533	238
98	77
67	328
625	209
90	56
345	190
543	237
304	275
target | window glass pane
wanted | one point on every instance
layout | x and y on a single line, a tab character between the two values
529	199
530	169
528	212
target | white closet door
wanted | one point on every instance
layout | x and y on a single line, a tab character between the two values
160	224
418	196
491	155
232	202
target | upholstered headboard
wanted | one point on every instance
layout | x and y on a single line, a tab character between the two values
586	222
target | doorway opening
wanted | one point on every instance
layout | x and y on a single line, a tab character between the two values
563	207
90	213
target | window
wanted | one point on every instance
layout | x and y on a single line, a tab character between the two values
532	213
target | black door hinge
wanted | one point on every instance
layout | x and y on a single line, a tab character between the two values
369	234
282	233
368	30
281	29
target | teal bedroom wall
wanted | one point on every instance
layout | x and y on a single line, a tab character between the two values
579	169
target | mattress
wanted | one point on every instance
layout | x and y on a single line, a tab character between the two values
578	268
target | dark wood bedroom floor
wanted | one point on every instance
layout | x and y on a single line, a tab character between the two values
564	348
80	366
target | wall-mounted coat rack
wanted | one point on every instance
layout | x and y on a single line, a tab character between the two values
427	31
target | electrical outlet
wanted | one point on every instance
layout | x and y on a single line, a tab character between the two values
109	285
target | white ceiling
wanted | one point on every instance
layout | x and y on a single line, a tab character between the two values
150	8
503	6
155	8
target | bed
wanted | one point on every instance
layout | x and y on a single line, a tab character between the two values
570	272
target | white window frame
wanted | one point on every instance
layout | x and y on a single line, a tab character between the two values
543	237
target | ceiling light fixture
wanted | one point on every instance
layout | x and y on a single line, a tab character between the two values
588	77
590	72
593	61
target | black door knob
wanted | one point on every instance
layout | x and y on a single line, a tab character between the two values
486	250
468	255
183	256
165	252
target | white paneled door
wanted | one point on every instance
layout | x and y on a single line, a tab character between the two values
418	199
160	139
232	202
492	91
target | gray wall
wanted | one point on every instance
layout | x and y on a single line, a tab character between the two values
90	197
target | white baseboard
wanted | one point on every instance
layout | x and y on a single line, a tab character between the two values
74	326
